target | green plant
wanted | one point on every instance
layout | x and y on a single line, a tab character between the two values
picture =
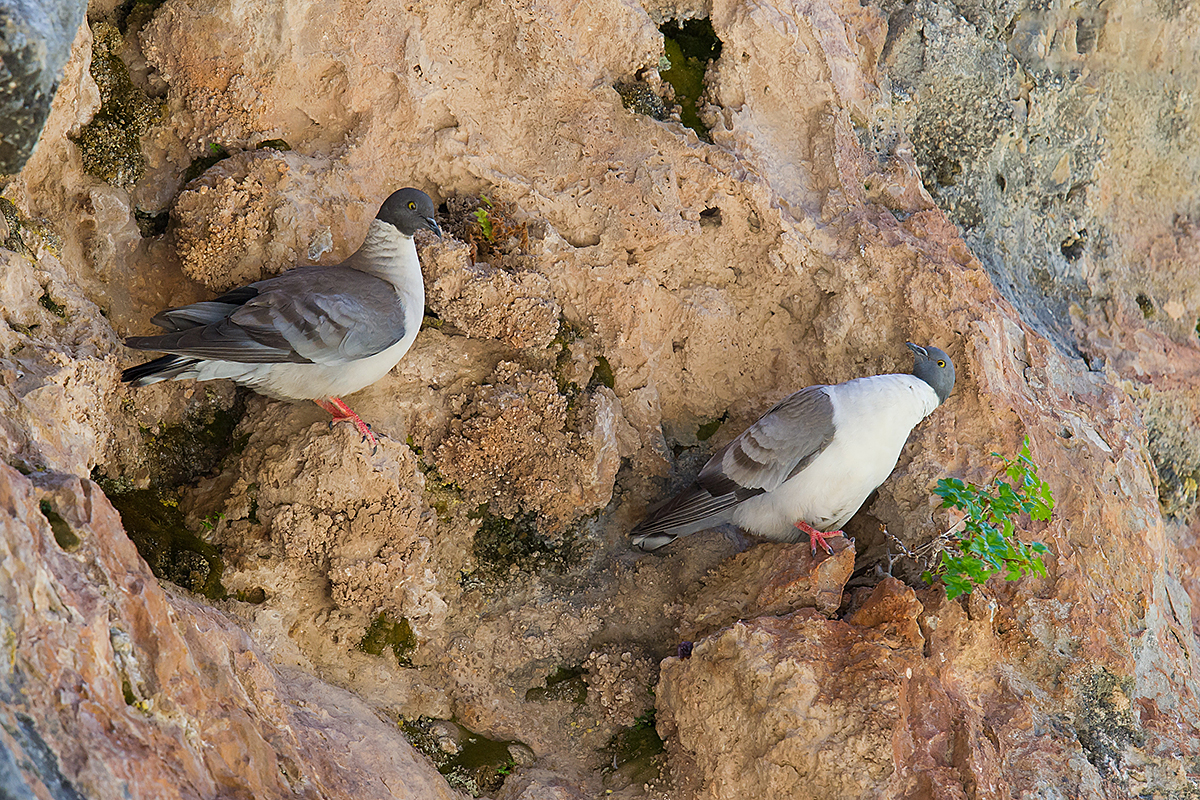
484	218
987	542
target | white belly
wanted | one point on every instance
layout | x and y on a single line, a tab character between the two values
873	417
287	381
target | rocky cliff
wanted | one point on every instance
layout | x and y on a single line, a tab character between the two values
662	218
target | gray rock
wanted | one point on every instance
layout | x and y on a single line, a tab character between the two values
35	42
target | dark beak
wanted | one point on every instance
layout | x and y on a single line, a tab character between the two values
916	348
431	223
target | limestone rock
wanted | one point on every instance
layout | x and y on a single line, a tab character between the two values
861	158
513	447
769	579
484	301
115	687
790	706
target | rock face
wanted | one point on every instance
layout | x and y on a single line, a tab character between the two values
101	664
617	297
777	706
35	43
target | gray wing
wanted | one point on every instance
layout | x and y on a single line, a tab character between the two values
323	315
781	443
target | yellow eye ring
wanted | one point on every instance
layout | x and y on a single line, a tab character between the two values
941	363
412	206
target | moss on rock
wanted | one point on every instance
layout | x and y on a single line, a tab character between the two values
110	145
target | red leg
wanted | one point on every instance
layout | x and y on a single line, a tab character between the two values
816	537
342	413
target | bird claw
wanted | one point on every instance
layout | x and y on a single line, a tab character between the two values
824	545
816	537
343	413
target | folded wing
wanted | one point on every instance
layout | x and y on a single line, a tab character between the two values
322	315
780	444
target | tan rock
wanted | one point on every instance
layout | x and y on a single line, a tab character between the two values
800	247
794	706
483	301
769	579
118	688
516	447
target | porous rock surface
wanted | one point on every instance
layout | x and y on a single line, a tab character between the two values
1012	183
113	685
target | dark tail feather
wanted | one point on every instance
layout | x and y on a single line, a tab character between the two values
160	369
652	541
693	509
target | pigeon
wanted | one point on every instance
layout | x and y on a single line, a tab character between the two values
810	462
312	333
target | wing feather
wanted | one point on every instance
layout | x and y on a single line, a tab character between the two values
323	315
781	443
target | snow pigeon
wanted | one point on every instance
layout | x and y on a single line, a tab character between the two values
312	333
810	462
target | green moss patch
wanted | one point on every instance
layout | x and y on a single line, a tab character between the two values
602	375
505	546
110	145
63	534
706	431
689	45
385	633
470	762
214	155
177	456
636	754
565	683
47	302
156	527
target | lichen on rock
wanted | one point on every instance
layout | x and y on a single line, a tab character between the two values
110	145
241	220
518	446
484	301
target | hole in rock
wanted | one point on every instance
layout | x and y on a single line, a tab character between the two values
1072	247
689	45
66	539
151	224
1146	305
710	217
173	458
470	761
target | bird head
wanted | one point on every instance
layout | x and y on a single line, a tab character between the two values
935	368
409	210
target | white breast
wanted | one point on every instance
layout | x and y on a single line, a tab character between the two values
873	418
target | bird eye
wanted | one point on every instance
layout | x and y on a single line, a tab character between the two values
412	206
941	363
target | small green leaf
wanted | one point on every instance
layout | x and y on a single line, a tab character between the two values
485	222
988	542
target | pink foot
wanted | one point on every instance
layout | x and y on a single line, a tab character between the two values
817	537
342	413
